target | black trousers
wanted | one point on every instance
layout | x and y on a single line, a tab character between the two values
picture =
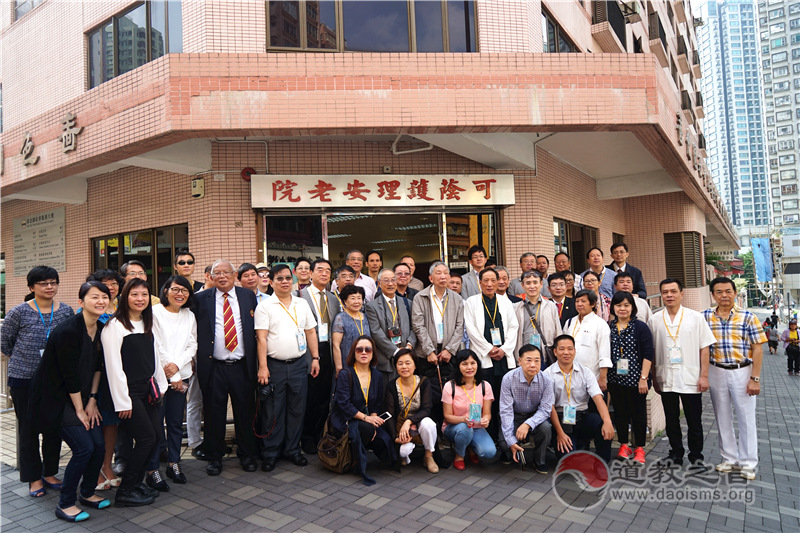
431	372
229	380
793	358
588	428
144	427
488	375
290	381
630	407
693	411
31	465
319	398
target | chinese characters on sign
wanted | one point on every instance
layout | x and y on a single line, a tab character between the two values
381	191
69	135
27	151
39	240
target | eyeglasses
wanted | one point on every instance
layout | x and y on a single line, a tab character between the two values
178	290
587	281
225	273
46	284
264	273
402	274
111	284
280	279
363	349
189	262
140	274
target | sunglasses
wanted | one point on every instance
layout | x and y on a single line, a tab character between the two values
189	262
363	349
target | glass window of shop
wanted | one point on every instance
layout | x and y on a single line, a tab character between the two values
373	26
155	248
427	237
575	240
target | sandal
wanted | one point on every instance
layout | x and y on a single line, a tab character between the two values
108	483
54	486
36	493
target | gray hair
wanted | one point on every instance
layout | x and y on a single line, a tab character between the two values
532	274
436	264
380	274
526	254
220	262
502	268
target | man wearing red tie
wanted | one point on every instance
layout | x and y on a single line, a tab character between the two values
226	365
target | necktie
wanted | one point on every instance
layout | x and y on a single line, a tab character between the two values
559	304
393	309
229	326
323	316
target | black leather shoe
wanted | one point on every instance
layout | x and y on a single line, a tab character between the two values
155	481
214	468
249	465
102	504
198	453
147	491
269	464
299	459
175	473
131	498
439	459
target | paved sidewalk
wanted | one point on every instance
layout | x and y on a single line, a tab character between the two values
483	498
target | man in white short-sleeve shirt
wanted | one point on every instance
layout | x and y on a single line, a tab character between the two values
680	368
285	332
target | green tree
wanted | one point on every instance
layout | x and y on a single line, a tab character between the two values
749	266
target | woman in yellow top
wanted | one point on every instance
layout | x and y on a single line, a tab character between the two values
791	344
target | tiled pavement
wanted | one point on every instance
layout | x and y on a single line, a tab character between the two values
483	498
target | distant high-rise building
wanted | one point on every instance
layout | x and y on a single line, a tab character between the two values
732	98
779	22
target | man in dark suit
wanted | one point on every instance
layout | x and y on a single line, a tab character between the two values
226	365
619	252
558	292
389	323
325	306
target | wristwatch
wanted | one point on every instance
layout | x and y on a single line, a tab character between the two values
643	378
755	378
93	395
315	358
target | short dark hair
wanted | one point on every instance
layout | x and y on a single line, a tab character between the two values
409	256
181	253
320	261
302	260
617	245
561	253
622	275
563	337
566	273
351	356
400	353
207	270
668	281
460	357
344	268
354	250
474	249
93	284
41	273
125	266
349	290
525	348
618	298
722	280
244	267
555	276
401	264
486	271
543	257
593	248
106	275
183	282
380	255
280	267
590	295
591	273
123	308
531	274
491	262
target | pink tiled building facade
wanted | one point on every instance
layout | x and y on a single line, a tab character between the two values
265	131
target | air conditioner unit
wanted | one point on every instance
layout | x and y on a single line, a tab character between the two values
630	11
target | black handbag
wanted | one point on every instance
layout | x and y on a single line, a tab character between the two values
154	395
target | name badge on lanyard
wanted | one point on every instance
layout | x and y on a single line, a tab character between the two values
675	355
496	340
622	367
301	340
475	410
440	332
323	333
536	340
570	415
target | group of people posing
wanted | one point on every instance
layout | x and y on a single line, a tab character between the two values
488	363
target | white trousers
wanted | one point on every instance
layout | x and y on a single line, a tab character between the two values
194	413
728	390
427	431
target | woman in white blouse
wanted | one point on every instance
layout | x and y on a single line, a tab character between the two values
132	367
175	332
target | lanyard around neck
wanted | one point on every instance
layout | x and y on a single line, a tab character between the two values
47	326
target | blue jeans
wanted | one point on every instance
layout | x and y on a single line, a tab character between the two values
462	436
172	409
88	451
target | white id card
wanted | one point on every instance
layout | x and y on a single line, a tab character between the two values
301	340
475	410
41	353
570	414
440	332
323	333
536	340
622	367
496	337
675	355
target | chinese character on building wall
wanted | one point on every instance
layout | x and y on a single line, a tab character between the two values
27	151
69	135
